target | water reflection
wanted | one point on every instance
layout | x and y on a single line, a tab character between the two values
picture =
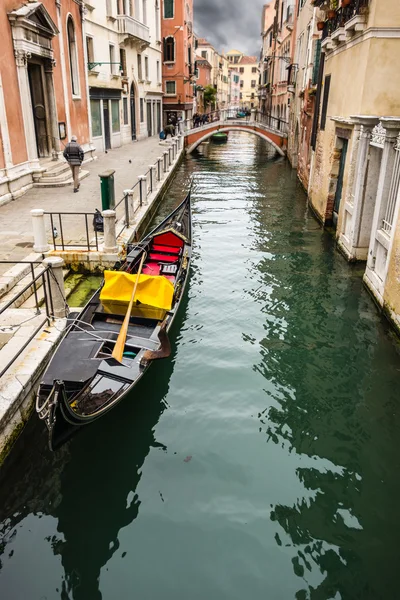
89	486
327	404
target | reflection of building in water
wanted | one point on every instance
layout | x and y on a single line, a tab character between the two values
326	407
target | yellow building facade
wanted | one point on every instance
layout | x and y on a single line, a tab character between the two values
354	183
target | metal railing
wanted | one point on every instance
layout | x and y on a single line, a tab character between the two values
61	234
131	202
343	15
44	276
229	114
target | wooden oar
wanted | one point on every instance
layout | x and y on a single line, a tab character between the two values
119	347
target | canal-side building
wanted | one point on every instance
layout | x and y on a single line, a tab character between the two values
267	37
279	69
355	166
124	54
307	59
247	68
178	67
219	71
203	80
43	92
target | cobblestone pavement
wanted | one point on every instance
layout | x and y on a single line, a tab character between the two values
129	161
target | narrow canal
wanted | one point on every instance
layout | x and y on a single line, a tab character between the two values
262	460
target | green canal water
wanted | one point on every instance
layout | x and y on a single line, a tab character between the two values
260	461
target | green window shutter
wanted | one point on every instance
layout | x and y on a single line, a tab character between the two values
317	58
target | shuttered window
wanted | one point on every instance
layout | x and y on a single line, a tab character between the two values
168	9
317	58
327	86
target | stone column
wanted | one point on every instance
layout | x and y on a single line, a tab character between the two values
392	127
55	142
39	231
142	189
21	59
110	235
5	134
57	289
354	216
129	208
152	178
159	168
166	154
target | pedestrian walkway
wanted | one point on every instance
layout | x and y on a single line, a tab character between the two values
129	161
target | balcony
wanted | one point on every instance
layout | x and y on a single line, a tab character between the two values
133	30
347	21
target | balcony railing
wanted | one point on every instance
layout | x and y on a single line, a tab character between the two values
129	26
343	15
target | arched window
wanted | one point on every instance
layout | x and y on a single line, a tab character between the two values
169	49
73	57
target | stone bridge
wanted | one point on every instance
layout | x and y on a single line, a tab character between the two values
272	132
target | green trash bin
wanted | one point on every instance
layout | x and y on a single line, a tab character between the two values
107	190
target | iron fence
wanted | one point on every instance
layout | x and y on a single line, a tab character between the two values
36	280
58	219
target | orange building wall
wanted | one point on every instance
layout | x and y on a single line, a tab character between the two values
10	84
77	108
179	71
204	76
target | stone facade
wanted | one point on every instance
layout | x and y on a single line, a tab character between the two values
43	92
124	58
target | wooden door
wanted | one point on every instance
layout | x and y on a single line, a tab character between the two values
38	108
107	131
339	186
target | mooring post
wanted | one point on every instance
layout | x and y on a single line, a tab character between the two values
166	153
110	234
39	231
55	282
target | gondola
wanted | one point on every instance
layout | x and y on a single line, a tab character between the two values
109	346
219	138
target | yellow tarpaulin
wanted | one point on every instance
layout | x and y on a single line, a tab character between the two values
151	291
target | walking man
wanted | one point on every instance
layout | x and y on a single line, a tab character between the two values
74	154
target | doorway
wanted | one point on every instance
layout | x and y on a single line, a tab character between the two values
149	119
106	118
158	117
36	86
339	186
133	112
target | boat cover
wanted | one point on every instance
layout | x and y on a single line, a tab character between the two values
153	291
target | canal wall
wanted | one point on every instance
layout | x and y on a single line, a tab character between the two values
19	384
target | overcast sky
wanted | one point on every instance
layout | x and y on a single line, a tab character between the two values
228	24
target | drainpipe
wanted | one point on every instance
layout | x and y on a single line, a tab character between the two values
83	19
63	69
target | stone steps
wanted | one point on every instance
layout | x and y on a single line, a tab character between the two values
28	295
61	180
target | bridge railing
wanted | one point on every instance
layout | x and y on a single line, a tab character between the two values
218	116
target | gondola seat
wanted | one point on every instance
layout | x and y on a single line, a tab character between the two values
162	258
151	268
166	249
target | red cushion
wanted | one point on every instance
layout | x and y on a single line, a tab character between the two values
168	239
163	258
151	269
169	249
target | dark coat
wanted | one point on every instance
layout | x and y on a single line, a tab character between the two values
73	153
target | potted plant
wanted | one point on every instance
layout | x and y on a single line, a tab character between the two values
320	25
345	3
333	6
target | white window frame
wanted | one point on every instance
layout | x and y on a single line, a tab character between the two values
73	60
170	93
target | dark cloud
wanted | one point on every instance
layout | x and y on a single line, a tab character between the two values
228	24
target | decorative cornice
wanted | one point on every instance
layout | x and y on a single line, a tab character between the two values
21	57
378	135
